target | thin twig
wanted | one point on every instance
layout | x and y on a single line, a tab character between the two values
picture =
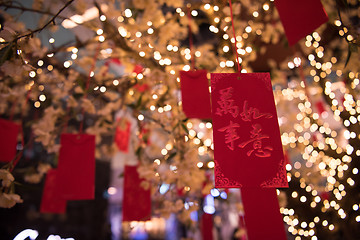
52	20
24	9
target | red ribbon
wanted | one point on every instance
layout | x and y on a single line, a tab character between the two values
191	45
235	43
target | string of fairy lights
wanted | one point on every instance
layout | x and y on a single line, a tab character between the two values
309	121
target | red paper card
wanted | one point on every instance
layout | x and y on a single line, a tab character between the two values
247	145
76	166
195	94
207	226
122	135
137	200
262	215
300	18
9	132
52	201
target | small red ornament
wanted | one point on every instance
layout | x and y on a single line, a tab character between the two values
141	87
137	200
9	132
320	106
247	145
138	69
195	94
300	18
122	135
144	135
325	196
52	201
76	166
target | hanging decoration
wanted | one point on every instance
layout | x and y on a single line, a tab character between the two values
52	200
9	132
180	152
195	94
207	226
247	144
262	216
76	160
248	151
137	200
300	18
76	166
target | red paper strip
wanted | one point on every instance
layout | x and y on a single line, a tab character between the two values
300	18
262	215
207	226
191	45
236	54
76	167
195	94
9	132
320	107
247	144
51	201
122	135
137	200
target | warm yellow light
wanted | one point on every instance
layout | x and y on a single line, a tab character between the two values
211	164
128	13
164	151
42	97
266	7
37	104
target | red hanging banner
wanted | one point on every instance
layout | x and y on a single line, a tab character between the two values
137	200
247	145
262	215
300	18
195	94
52	201
9	132
76	166
207	226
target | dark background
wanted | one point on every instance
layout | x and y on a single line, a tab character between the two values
83	220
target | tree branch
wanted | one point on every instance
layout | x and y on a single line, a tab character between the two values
52	20
24	9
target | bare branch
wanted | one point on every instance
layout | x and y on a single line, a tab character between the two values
52	20
25	9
